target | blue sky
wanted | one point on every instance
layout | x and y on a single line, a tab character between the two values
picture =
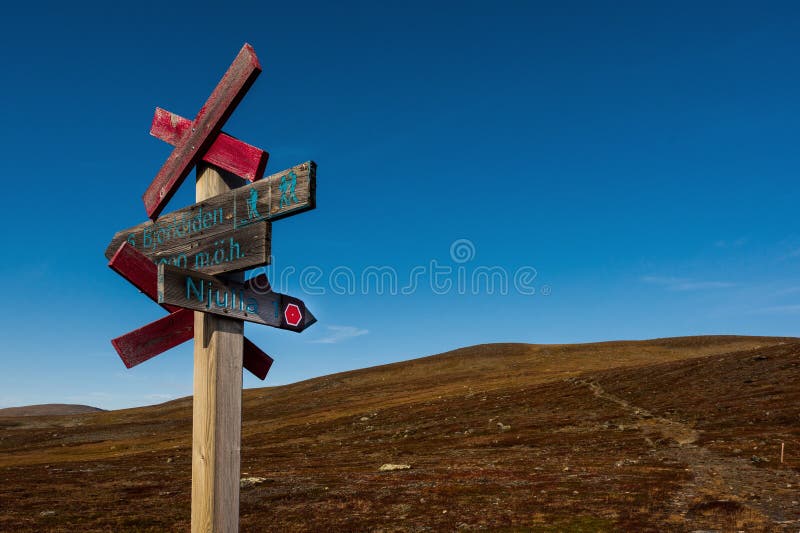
642	158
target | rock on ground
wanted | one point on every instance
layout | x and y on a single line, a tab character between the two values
390	467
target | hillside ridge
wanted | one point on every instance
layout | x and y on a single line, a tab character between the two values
48	409
676	434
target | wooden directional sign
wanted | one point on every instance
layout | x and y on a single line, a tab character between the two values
155	338
174	329
185	240
204	130
245	301
226	152
224	232
229	232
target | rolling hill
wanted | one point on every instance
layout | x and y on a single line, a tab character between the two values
677	434
47	409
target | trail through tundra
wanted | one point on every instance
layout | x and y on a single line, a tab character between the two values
718	481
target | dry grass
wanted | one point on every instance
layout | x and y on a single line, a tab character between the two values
500	437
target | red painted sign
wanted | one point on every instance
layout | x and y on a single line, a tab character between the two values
204	130
193	141
178	327
155	338
226	152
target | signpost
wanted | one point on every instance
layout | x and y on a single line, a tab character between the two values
190	262
157	337
209	294
226	152
204	129
226	233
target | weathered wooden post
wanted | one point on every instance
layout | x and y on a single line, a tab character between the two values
217	404
191	262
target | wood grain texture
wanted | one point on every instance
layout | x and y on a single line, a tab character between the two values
222	216
132	347
205	127
156	338
230	298
234	251
226	152
217	405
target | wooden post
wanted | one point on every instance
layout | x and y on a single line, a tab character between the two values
217	405
220	349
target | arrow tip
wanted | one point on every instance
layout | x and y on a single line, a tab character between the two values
310	319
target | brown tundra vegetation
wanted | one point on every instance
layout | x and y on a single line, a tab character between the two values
680	434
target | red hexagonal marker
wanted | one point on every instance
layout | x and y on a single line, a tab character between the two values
293	315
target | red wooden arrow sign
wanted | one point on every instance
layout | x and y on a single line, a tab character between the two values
155	338
205	127
226	152
176	328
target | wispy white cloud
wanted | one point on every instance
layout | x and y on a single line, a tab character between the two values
736	243
702	285
686	284
661	280
158	396
90	398
789	249
8	402
779	310
793	289
340	334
